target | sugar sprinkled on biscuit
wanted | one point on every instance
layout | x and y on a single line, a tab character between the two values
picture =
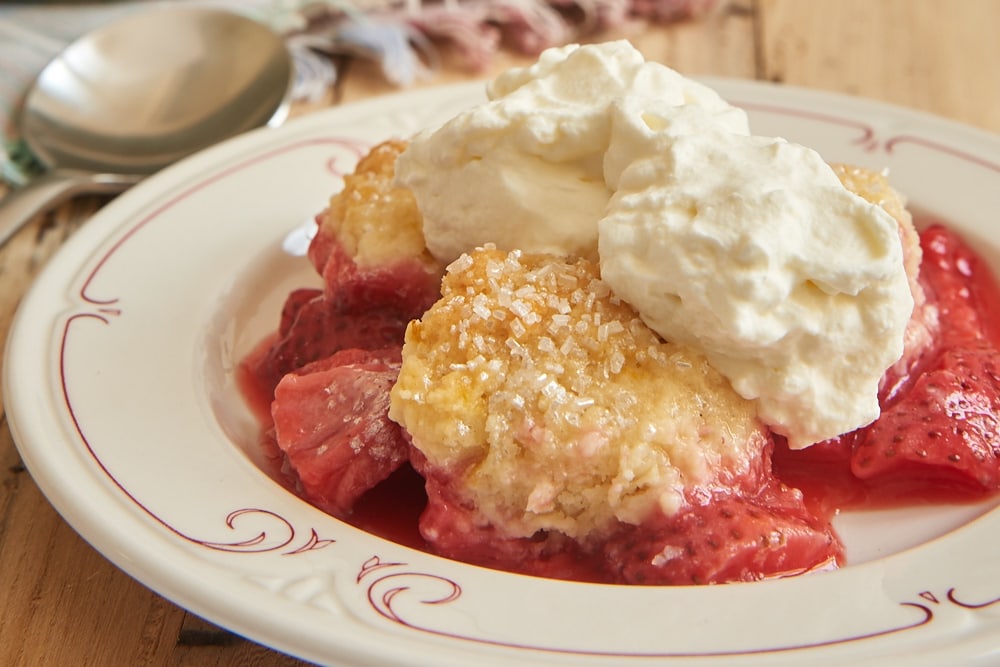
377	222
554	407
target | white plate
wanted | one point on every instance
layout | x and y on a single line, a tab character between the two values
121	397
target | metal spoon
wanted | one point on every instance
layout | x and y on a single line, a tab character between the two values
141	93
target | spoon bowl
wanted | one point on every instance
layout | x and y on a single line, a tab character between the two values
141	93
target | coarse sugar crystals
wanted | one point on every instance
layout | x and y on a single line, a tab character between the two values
568	413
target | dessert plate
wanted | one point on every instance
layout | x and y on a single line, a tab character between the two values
121	395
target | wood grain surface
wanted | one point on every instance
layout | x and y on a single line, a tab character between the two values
61	603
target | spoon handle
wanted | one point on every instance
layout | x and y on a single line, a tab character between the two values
21	205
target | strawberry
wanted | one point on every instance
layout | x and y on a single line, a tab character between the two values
311	330
294	302
357	308
942	437
960	283
331	423
731	538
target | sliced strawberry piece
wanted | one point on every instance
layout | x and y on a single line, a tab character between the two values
294	303
731	538
942	438
315	331
938	435
961	285
331	422
822	471
357	308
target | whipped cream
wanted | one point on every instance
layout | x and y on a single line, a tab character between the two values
526	169
747	248
751	250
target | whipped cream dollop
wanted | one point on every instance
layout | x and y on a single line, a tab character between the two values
525	170
751	250
746	248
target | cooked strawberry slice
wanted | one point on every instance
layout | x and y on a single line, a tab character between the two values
321	246
961	285
331	422
315	330
942	438
731	538
822	471
294	303
357	308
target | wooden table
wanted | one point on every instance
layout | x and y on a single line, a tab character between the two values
61	603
